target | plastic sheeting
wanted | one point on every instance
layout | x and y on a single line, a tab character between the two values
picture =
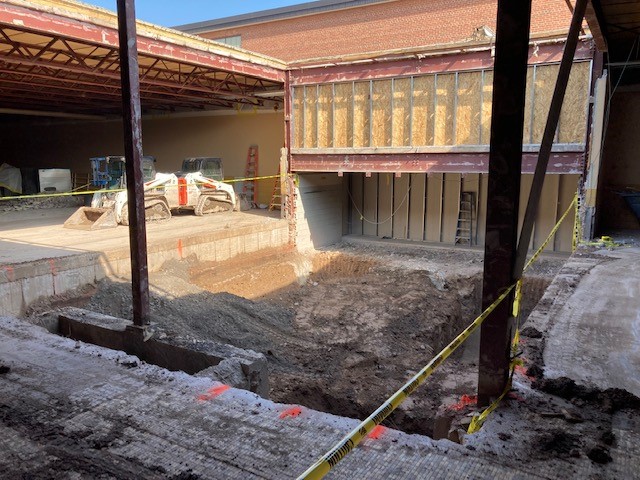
10	178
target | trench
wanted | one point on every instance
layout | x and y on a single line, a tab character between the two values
360	328
341	331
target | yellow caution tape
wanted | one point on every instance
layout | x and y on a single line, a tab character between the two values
251	179
116	190
478	420
577	227
348	443
517	299
553	232
47	195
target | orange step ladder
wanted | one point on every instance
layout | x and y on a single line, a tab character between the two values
250	187
276	196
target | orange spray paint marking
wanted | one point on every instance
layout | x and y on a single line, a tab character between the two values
11	274
377	432
291	412
464	401
213	392
521	370
515	396
52	266
180	248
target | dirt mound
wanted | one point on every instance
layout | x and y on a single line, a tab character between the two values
221	317
610	400
557	443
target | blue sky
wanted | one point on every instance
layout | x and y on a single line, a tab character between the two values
169	13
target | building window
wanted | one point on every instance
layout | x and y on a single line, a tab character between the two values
234	41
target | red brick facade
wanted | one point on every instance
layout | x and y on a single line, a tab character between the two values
384	26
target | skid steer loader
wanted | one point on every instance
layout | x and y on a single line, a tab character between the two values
163	192
109	176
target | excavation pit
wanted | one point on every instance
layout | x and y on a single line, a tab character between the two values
341	330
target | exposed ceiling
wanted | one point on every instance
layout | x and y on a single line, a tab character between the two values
617	29
60	64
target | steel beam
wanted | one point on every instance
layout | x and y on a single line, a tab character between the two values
562	163
548	136
503	192
133	156
172	81
388	68
288	104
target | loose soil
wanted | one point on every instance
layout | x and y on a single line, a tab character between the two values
342	330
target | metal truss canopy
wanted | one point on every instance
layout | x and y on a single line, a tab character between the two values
58	64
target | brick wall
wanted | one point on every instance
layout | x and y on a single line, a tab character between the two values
384	26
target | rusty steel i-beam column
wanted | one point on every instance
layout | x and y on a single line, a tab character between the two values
503	191
131	114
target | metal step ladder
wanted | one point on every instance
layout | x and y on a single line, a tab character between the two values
276	196
250	187
466	217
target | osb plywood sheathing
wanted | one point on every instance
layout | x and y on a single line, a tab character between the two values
423	111
361	107
545	80
382	105
343	115
310	116
325	116
487	96
445	105
401	127
468	108
573	118
298	117
528	104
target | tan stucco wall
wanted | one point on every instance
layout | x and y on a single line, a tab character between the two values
71	144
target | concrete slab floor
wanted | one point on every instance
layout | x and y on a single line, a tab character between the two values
73	410
30	235
595	335
80	410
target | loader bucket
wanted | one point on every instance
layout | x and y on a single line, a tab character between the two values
88	218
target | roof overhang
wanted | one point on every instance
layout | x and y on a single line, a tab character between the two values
62	56
615	25
275	14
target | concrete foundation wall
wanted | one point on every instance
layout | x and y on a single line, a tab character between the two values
424	207
23	284
70	144
620	167
319	208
